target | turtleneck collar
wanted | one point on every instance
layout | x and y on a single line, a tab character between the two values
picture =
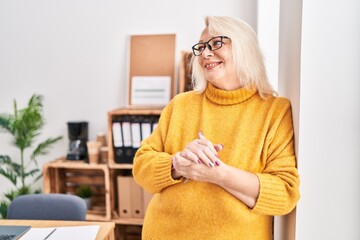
232	97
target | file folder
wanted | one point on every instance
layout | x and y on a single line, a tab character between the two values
117	140
127	140
128	131
136	133
124	196
136	193
146	127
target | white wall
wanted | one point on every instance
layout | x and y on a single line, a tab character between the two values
74	54
329	150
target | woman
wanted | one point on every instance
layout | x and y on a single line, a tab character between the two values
221	162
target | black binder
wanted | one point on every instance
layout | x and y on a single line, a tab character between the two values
135	132
128	132
146	126
127	139
117	139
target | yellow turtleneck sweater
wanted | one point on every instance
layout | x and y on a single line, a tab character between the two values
257	135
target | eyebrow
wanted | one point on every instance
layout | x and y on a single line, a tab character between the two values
202	41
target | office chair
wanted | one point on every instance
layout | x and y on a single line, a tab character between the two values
48	207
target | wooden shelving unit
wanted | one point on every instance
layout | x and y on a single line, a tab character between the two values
117	169
64	176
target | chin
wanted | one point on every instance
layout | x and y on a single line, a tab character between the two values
216	84
213	78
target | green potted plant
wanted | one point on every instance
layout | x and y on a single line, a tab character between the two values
25	126
85	192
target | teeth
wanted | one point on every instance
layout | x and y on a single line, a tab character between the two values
211	64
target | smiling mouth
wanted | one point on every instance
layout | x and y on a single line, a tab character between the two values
209	66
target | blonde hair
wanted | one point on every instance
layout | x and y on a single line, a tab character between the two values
246	54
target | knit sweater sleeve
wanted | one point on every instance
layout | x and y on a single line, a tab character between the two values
279	182
152	166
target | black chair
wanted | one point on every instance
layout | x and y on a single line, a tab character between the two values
48	207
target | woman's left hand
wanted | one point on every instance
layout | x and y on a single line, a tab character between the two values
197	159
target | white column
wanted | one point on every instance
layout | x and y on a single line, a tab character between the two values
268	35
279	32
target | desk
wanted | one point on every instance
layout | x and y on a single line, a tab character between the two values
106	231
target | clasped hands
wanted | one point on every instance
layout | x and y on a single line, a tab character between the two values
197	160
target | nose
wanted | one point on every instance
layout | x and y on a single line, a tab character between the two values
207	51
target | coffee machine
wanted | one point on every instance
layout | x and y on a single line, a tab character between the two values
78	136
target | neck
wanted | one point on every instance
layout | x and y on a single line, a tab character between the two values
224	97
227	85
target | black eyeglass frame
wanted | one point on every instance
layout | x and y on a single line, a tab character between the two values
206	44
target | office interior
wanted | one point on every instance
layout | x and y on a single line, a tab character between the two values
75	54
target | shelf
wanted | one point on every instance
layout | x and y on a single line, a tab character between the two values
120	166
136	111
128	221
95	217
68	164
64	176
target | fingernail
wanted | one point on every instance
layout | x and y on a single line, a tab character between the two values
211	164
222	145
217	163
201	133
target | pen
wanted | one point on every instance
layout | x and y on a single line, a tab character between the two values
50	234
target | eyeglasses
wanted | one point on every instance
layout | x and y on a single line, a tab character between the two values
213	44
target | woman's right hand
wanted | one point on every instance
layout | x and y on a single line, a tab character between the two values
199	151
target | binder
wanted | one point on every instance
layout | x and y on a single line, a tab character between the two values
146	125
117	140
136	194
135	133
128	131
124	196
127	140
